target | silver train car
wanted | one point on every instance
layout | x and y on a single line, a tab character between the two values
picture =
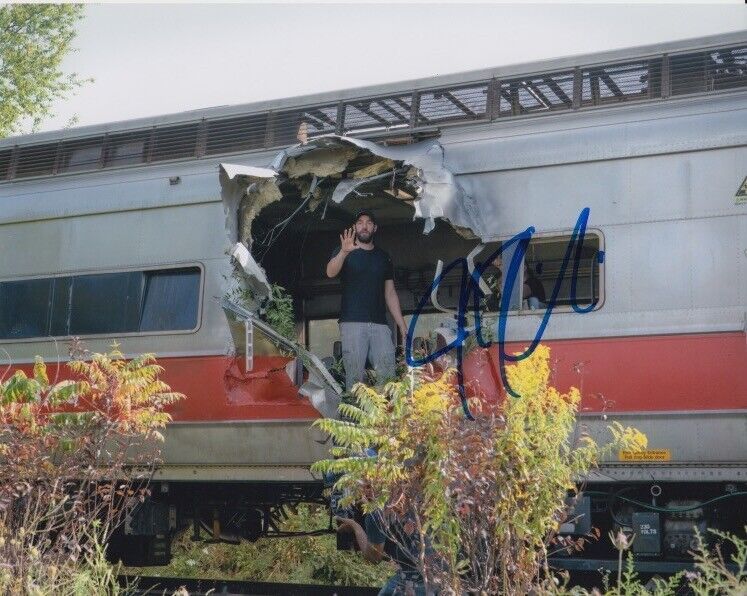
156	232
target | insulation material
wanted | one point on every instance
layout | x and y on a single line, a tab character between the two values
241	187
438	194
325	162
379	167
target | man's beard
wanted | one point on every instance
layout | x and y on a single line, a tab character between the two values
364	239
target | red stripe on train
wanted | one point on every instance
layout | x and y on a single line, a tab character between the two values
217	389
644	373
619	374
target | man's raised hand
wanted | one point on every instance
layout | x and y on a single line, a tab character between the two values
347	240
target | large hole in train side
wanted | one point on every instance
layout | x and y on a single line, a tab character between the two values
294	248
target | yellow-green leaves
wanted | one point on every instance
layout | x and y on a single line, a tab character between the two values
40	372
489	494
34	40
110	394
70	457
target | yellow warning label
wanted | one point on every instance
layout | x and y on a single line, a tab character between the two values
646	455
741	196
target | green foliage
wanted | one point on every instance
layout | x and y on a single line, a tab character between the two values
34	40
304	560
337	369
490	493
89	574
70	454
276	310
712	576
109	394
279	312
628	581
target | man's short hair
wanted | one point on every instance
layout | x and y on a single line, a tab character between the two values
368	213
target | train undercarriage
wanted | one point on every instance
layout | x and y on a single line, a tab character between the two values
665	520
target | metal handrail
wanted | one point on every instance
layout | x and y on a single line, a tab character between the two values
309	359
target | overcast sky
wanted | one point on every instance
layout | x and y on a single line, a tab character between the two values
152	59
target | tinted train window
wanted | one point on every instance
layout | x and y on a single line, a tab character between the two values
535	281
127	302
171	300
107	303
24	308
544	259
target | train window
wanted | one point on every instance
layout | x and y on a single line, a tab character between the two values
174	142
620	82
36	160
106	303
428	322
62	289
236	134
24	308
125	302
4	164
323	333
285	127
171	299
453	104
544	259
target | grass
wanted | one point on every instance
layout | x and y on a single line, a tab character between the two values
303	560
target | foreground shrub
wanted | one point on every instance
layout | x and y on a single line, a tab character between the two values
714	574
488	494
76	455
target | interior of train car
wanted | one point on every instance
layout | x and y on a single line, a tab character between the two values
293	245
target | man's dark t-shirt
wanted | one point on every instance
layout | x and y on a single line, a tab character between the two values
363	275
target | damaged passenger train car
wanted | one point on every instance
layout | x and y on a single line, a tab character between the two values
167	235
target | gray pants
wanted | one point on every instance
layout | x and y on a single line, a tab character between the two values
366	340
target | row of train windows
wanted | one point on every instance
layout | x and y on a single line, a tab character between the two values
104	303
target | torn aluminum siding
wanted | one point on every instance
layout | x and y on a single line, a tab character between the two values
418	170
330	169
319	388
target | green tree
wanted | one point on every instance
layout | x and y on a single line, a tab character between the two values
34	40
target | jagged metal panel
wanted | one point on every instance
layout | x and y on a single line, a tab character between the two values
246	190
439	195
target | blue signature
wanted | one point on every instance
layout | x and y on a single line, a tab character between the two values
470	289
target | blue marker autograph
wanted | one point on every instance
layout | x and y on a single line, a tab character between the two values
469	288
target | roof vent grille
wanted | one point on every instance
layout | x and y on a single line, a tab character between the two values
408	113
174	142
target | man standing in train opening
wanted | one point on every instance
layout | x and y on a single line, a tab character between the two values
367	276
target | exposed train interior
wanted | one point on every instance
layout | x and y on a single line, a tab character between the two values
308	242
292	239
293	246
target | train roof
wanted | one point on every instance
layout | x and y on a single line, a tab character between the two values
705	65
